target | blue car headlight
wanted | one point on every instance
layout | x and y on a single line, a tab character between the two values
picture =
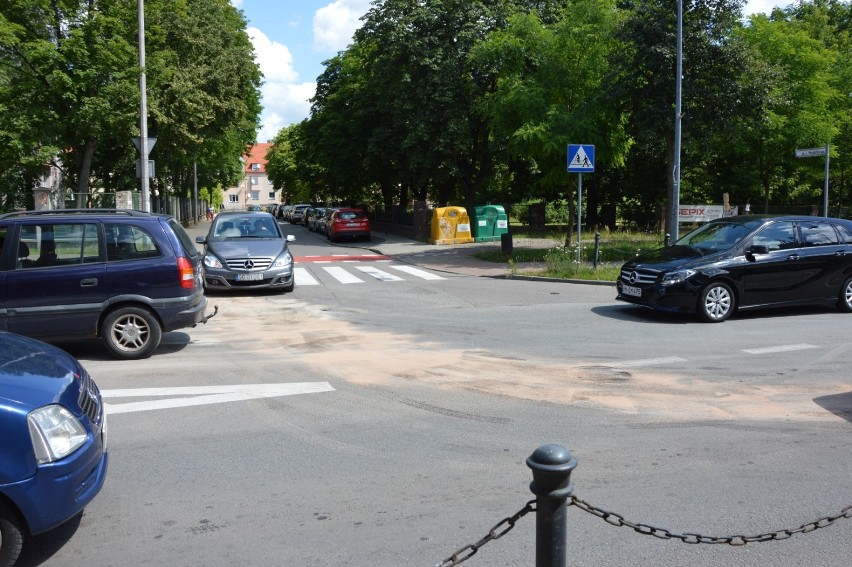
677	277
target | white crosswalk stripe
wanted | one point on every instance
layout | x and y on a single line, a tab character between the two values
318	270
342	275
304	277
379	274
417	272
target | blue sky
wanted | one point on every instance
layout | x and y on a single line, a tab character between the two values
293	37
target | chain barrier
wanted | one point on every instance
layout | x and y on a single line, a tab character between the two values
498	531
463	554
735	540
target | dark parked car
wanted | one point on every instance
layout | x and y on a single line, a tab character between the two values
348	223
745	262
247	251
297	214
124	276
53	456
315	217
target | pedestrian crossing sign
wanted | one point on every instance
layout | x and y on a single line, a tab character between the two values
581	158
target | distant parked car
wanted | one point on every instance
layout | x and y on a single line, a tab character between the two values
745	262
322	222
121	275
314	218
348	223
247	251
53	454
253	208
297	215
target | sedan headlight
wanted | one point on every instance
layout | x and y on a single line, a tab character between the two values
283	260
212	261
677	277
55	433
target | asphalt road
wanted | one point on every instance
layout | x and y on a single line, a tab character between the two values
395	417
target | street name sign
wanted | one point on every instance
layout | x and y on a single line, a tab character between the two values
812	152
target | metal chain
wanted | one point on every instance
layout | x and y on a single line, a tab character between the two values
498	531
662	533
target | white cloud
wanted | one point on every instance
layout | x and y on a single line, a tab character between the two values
284	97
335	23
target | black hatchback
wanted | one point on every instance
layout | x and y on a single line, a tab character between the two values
745	262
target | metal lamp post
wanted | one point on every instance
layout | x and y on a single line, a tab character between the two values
674	217
143	111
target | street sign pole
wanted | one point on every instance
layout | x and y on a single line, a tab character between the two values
579	214
581	157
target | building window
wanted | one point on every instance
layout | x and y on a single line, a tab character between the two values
255	167
254	180
255	195
271	195
233	198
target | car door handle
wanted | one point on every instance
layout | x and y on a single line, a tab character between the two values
88	282
793	257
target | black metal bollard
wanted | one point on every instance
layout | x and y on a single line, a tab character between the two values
597	249
668	240
551	468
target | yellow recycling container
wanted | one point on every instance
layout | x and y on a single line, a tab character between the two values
450	225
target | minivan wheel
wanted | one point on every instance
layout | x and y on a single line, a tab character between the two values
716	302
844	302
11	537
131	333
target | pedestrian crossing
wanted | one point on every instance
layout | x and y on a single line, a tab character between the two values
347	271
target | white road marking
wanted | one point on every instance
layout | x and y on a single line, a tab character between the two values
343	276
304	277
782	348
186	396
649	361
379	274
417	272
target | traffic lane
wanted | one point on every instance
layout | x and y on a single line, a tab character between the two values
466	333
375	476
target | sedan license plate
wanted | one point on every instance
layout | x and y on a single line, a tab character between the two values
249	277
631	290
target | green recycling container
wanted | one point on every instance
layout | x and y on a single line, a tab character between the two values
488	223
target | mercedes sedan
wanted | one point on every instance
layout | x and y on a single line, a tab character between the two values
246	250
745	262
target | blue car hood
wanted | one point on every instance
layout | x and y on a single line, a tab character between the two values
34	374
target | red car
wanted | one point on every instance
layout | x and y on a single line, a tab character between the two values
348	223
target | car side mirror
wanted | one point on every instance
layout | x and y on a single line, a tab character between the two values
201	239
755	249
291	238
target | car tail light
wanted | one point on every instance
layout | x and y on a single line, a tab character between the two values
187	274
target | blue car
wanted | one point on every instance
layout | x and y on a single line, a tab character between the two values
53	448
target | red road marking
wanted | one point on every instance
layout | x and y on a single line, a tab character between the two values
368	258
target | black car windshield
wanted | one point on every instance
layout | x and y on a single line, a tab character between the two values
717	236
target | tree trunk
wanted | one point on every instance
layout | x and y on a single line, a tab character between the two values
85	171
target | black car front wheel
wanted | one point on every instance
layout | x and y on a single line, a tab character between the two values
131	333
11	536
844	302
716	302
